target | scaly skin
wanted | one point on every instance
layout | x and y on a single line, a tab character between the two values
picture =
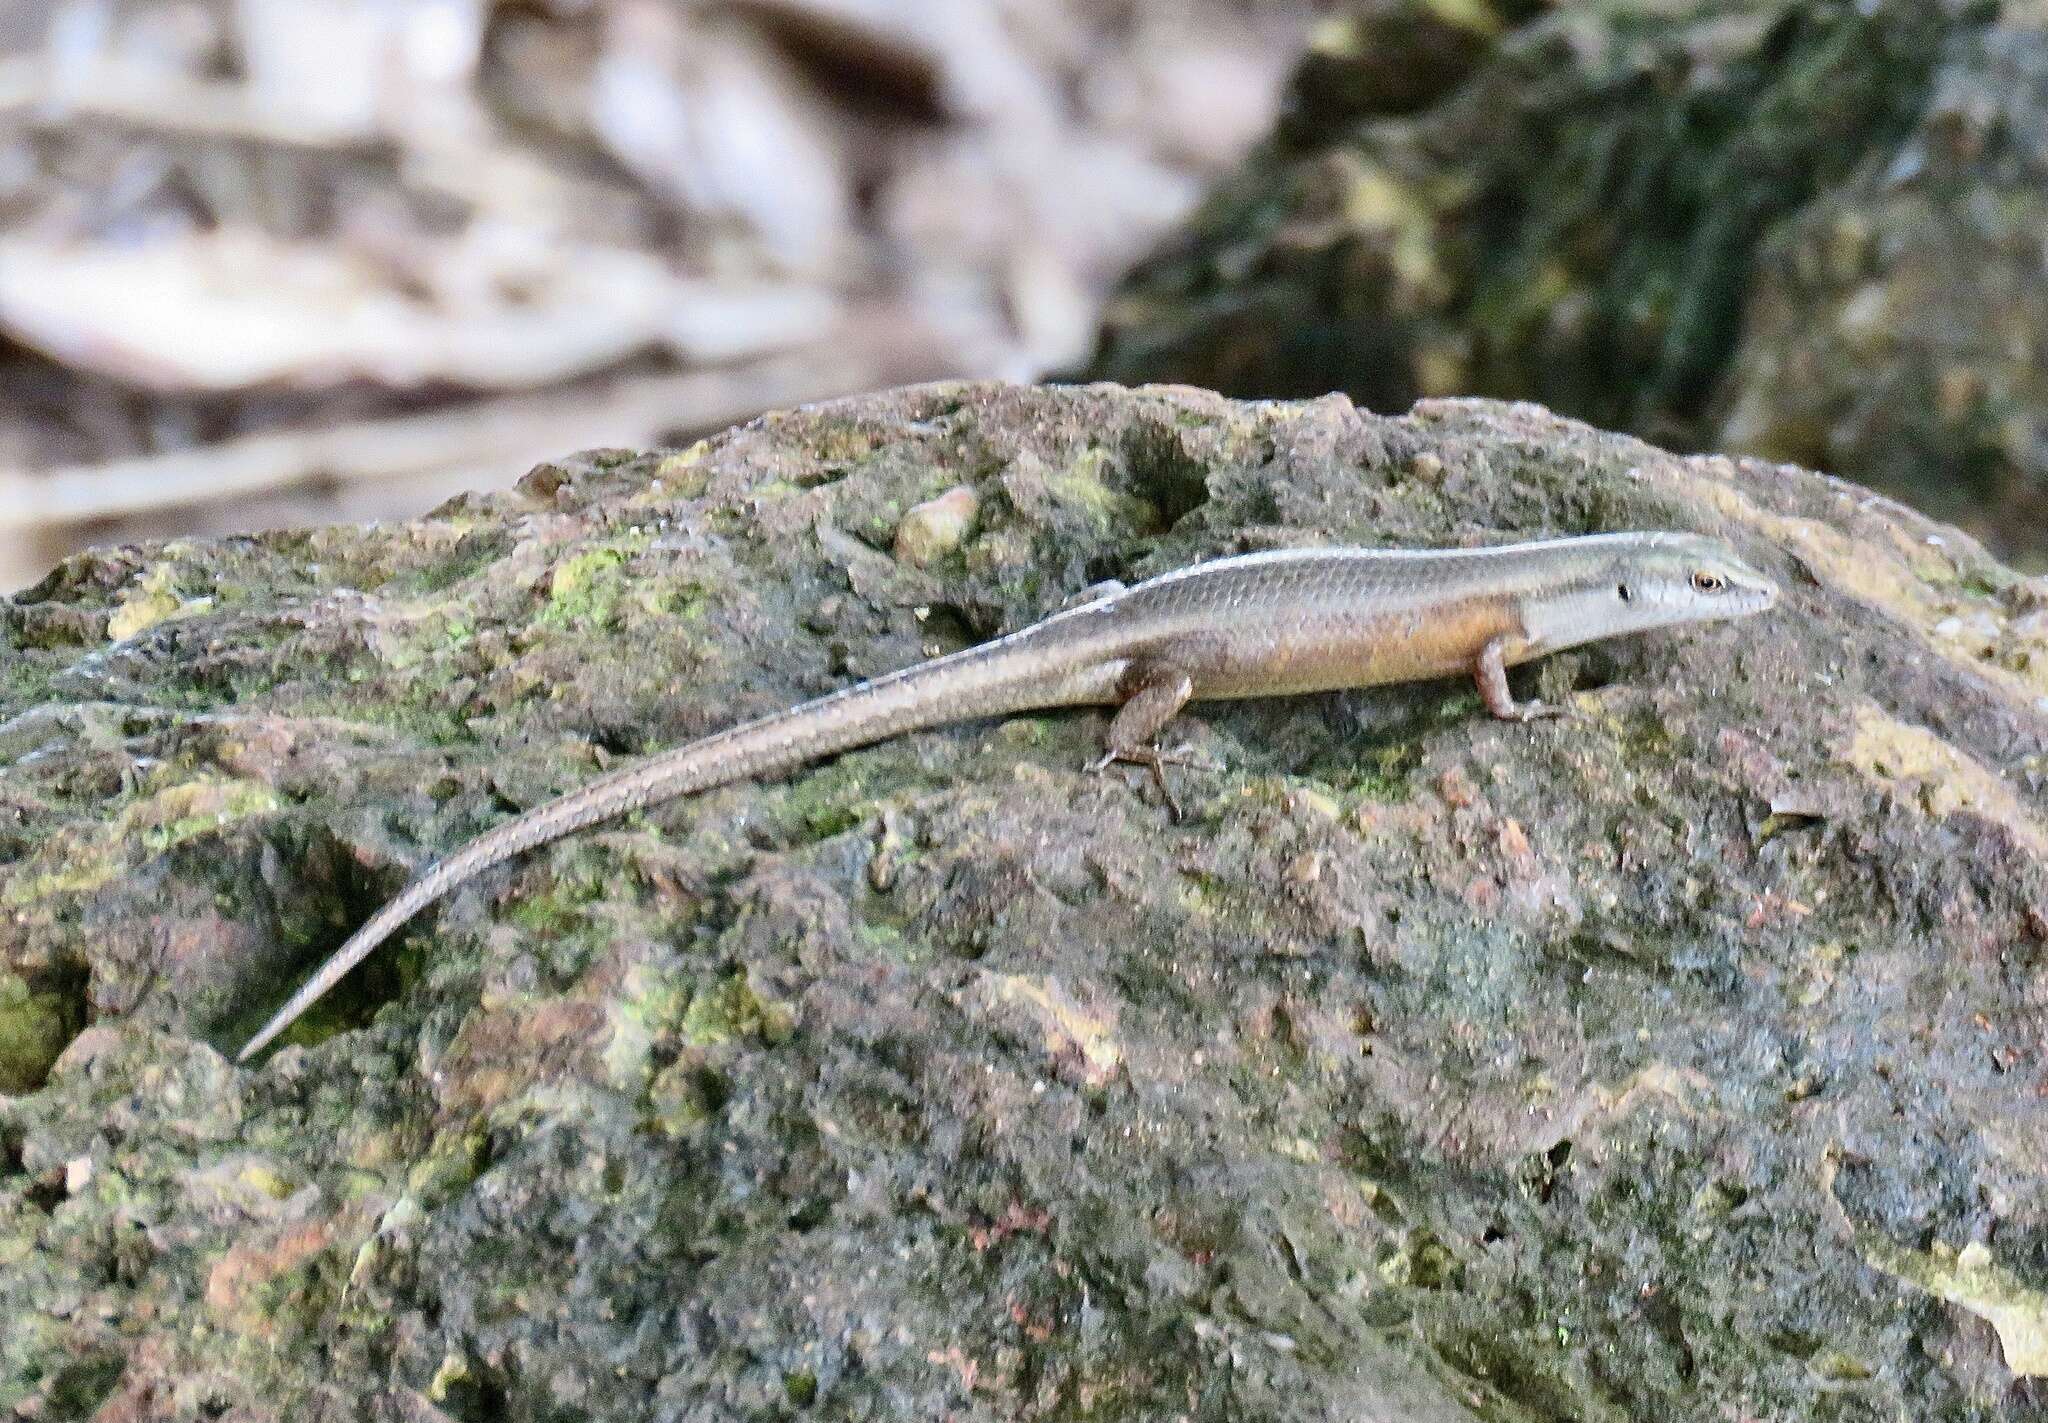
1262	624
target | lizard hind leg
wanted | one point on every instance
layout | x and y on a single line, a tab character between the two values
1153	694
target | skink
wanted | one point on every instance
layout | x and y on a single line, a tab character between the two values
1261	624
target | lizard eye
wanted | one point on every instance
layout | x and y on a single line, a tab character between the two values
1707	582
1623	592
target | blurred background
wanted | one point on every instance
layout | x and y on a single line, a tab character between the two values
272	262
268	261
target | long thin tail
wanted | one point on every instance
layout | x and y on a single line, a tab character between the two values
989	680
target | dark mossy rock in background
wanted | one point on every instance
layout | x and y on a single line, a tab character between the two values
1797	228
1681	1059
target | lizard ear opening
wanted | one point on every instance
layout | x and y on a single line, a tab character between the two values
1623	592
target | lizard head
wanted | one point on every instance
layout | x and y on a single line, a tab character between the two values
1635	582
1686	578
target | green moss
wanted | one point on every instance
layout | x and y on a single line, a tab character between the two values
214	804
1837	1366
889	942
24	681
71	879
689	599
683	473
828	800
154	599
34	1027
544	915
456	1158
840	444
730	1011
424	648
1644	737
83	1384
586	588
473	555
685	1096
1080	486
652	1000
728	522
1385	774
82	858
1421	1262
1200	894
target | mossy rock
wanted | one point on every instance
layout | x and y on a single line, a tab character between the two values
1677	1059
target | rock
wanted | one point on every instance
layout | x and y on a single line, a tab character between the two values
1788	228
1945	401
936	527
1679	1059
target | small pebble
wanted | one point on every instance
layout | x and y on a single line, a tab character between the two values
935	528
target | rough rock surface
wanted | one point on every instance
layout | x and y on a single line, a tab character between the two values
1681	1059
1794	228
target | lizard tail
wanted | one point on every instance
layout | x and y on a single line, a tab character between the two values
989	680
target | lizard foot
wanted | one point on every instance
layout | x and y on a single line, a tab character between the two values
1156	761
1539	711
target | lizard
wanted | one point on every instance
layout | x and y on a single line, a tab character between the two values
1252	625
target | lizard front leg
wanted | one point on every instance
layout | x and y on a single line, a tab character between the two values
1490	672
